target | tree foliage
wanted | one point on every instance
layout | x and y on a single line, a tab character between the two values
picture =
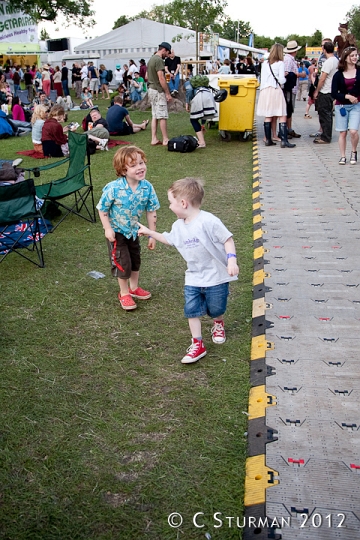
121	21
233	30
353	18
199	15
44	35
78	12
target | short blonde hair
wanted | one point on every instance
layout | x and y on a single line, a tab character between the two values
39	113
190	189
126	156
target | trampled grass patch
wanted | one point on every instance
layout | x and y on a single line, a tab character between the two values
104	433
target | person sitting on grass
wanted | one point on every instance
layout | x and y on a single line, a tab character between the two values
209	250
121	206
54	139
86	97
38	120
98	131
119	120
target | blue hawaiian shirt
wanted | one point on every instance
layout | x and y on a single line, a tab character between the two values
125	207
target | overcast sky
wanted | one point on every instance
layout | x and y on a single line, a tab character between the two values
286	18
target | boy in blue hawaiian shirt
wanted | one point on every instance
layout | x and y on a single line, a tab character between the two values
121	206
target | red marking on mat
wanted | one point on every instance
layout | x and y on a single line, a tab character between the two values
296	461
353	466
324	319
284	317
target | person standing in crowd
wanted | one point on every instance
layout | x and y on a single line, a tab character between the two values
249	66
132	68
241	66
322	94
28	79
65	79
271	101
16	80
104	85
143	69
345	89
291	83
172	67
225	68
159	94
118	76
46	79
93	76
84	75
57	82
76	75
303	82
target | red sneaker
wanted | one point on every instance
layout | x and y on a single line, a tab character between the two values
140	294
218	332
127	302
194	352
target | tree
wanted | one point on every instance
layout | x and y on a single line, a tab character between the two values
121	21
233	30
44	35
315	39
353	18
77	12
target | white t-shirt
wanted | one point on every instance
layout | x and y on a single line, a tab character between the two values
201	244
330	67
132	70
118	74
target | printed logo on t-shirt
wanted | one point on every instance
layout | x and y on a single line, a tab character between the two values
191	242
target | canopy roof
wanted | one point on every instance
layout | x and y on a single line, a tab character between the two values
141	38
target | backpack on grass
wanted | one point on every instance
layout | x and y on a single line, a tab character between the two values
183	143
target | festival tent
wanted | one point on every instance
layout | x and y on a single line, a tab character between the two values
141	37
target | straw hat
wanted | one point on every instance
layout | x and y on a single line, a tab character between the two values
45	66
291	47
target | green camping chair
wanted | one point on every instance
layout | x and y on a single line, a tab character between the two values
20	222
73	184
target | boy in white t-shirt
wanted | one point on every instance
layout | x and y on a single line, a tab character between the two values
209	250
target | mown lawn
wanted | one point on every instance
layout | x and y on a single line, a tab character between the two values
103	432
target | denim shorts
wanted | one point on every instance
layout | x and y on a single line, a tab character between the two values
351	120
201	301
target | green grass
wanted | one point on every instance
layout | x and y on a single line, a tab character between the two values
103	432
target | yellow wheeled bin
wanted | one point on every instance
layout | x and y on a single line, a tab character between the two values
237	110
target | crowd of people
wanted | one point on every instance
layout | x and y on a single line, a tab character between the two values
331	84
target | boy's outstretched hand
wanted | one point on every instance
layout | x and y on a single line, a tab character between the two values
143	231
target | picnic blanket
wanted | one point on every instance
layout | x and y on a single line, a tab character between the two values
14	232
38	155
32	153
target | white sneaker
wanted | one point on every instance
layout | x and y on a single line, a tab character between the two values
104	144
218	332
16	162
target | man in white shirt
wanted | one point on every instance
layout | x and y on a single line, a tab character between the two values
323	94
84	75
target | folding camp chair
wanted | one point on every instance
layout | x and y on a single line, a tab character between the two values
73	183
24	97
20	222
53	96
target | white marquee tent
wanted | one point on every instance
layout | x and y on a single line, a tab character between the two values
140	39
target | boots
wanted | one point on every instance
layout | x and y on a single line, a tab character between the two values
267	130
284	136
